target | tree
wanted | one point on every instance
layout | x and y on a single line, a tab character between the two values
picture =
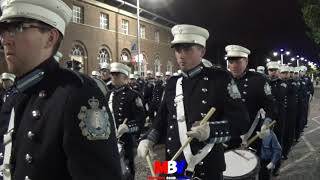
311	14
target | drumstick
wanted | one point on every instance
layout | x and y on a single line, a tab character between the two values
235	151
257	135
150	165
203	121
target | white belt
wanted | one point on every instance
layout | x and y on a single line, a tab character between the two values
111	110
7	142
182	127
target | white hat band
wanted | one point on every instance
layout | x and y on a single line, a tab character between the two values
189	38
237	54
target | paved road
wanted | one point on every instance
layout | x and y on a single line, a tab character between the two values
304	159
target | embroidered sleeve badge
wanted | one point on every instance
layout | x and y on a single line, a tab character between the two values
233	90
95	124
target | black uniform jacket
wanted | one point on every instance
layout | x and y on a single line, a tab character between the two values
203	88
63	127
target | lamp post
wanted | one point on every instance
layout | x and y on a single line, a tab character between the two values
138	36
282	52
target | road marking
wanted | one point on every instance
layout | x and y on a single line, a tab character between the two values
316	121
295	162
315	117
311	148
311	131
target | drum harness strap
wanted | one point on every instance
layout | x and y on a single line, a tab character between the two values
7	141
111	110
191	159
246	136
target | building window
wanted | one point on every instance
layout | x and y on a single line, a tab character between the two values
77	51
125	56
142	32
104	21
78	54
77	14
169	66
125	26
104	56
157	36
157	65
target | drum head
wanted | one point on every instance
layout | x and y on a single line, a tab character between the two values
240	163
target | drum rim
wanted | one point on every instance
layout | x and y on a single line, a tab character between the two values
254	171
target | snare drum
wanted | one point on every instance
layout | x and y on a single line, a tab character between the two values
241	165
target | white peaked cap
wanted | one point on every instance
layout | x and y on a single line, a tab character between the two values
132	76
261	68
303	68
95	73
168	73
121	68
284	68
252	70
237	51
158	74
104	65
185	33
55	13
175	74
8	76
273	65
297	69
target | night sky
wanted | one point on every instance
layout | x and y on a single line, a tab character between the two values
261	25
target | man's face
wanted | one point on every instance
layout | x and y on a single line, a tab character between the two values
158	78
296	75
284	75
105	74
188	55
273	73
149	76
237	66
23	44
118	79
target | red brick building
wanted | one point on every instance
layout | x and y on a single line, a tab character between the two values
103	33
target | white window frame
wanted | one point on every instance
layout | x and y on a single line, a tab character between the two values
157	36
104	21
169	66
157	64
142	32
125	26
104	56
77	14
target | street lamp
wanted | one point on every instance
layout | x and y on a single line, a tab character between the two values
281	54
138	36
268	59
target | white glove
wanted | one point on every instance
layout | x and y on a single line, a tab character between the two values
270	166
144	148
244	143
123	128
201	132
264	132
